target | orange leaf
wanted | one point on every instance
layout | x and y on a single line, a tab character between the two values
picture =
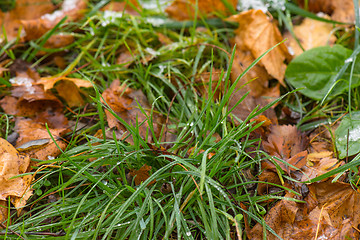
257	33
311	33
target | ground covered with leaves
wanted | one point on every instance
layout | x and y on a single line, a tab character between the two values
179	119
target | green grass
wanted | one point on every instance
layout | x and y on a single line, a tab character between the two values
194	197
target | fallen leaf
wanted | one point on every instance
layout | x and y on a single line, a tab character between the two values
319	163
310	33
284	141
203	81
24	10
3	212
185	9
256	82
257	33
341	11
288	144
124	102
13	164
331	211
141	175
72	9
49	82
131	7
70	93
30	131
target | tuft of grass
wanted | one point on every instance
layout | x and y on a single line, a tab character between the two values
198	186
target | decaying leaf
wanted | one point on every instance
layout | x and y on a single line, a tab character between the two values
319	163
257	33
256	82
49	82
341	11
132	7
185	9
287	143
331	211
30	130
141	175
71	9
24	10
124	102
13	164
310	33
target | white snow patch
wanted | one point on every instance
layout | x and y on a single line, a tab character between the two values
24	81
152	51
69	5
254	4
53	16
291	50
110	17
156	22
262	5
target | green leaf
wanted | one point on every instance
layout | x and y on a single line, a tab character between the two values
347	135
318	69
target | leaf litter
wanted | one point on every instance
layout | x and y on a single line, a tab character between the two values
320	210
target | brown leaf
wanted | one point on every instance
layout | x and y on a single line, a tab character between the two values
131	7
341	11
311	33
13	164
203	81
256	82
73	10
70	93
185	9
49	82
319	163
30	130
257	33
124	102
284	141
3	212
24	10
141	175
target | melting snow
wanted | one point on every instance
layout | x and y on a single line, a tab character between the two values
262	5
110	16
24	81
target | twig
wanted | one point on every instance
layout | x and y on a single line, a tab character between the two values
12	232
57	234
